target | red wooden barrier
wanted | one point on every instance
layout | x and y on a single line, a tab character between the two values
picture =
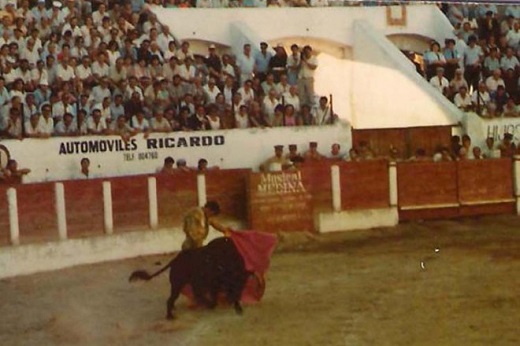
228	188
423	184
317	181
36	212
485	180
4	216
84	207
176	193
486	186
364	184
130	203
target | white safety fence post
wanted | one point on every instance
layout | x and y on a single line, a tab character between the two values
107	207
152	202
61	215
516	181
336	188
392	176
12	202
201	190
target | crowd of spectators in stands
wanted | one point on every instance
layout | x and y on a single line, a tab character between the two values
76	67
478	70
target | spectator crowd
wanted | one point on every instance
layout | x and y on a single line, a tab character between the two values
77	67
478	70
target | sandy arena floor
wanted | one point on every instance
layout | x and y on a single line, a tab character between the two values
355	288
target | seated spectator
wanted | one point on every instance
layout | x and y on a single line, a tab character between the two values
442	154
312	154
462	99
494	81
278	118
292	98
490	151
167	167
466	144
256	116
511	109
480	97
290	118
159	123
139	123
214	121
84	171
509	61
353	155
440	82
202	166
66	127
11	174
199	120
323	113
458	81
13	124
490	111
96	124
507	147
491	62
242	118
477	153
335	153
182	166
364	151
420	156
276	163
121	128
293	152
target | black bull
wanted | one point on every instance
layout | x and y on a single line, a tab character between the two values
212	269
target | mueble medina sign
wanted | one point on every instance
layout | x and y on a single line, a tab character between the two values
279	202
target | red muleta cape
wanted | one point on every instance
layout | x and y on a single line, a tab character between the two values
256	249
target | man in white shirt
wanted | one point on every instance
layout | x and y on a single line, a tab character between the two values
309	64
64	72
462	99
440	82
246	64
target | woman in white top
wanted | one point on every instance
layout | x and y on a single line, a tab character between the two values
242	118
213	119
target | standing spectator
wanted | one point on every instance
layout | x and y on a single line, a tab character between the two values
262	59
312	154
11	173
293	65
472	62
246	64
433	59
278	63
309	63
451	55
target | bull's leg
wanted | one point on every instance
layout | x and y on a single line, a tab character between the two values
201	295
170	304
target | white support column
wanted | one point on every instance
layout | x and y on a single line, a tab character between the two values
61	215
336	188
516	181
12	202
152	202
201	190
392	176
107	207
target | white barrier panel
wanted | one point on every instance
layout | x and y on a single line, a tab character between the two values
152	202
107	207
392	176
201	190
59	158
61	214
14	230
336	188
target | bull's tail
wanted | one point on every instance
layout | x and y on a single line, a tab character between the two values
144	275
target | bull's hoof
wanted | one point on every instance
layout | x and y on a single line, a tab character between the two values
238	309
